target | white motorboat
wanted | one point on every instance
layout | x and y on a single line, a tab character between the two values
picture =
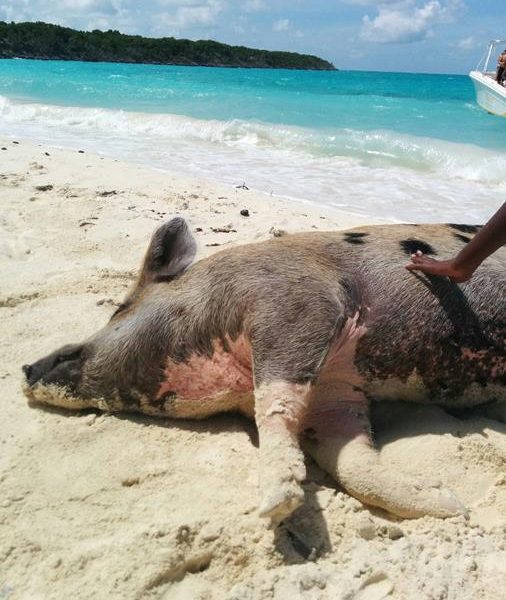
490	95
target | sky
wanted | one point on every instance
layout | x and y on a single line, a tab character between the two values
431	36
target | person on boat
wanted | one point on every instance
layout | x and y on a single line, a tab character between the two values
501	68
461	267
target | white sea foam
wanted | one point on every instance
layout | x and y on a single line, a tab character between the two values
374	172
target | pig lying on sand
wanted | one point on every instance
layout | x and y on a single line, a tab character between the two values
300	333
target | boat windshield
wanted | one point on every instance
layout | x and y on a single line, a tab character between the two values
495	47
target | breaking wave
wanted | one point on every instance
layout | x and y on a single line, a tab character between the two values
372	148
369	172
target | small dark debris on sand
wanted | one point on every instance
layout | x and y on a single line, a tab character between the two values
198	229
84	223
4	148
107	193
14	142
277	232
80	151
213	244
44	188
47	153
244	212
242	187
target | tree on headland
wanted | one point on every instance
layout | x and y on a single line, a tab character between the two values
47	41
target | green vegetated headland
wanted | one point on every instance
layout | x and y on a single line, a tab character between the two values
52	42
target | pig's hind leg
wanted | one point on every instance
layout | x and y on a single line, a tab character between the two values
338	437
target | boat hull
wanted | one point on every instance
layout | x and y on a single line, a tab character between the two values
489	95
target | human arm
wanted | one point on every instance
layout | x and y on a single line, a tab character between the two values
461	268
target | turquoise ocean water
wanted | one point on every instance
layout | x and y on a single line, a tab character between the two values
400	146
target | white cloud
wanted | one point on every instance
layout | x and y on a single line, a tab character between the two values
162	17
372	2
281	25
45	10
254	5
407	21
467	44
104	6
193	14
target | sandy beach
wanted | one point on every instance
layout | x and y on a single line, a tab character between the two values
110	506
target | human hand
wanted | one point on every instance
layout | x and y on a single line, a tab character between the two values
443	268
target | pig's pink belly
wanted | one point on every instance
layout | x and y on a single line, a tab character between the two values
203	377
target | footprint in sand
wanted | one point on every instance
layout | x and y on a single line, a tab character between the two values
13	301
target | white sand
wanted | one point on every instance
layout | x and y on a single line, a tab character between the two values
118	507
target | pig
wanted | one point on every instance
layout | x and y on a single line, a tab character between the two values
300	333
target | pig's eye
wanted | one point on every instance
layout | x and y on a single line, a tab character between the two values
67	357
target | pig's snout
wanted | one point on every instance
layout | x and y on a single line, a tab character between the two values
62	367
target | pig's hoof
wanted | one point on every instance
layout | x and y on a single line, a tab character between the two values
279	503
446	503
431	499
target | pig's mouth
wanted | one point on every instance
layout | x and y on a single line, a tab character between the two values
41	394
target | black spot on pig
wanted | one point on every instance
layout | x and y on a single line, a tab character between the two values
462	238
464	228
355	237
411	245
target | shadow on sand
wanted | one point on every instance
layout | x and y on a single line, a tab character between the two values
304	536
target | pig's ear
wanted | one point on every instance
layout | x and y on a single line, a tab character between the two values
171	250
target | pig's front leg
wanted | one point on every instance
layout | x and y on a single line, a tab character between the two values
338	437
279	409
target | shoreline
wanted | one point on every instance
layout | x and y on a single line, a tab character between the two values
98	506
309	208
400	177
